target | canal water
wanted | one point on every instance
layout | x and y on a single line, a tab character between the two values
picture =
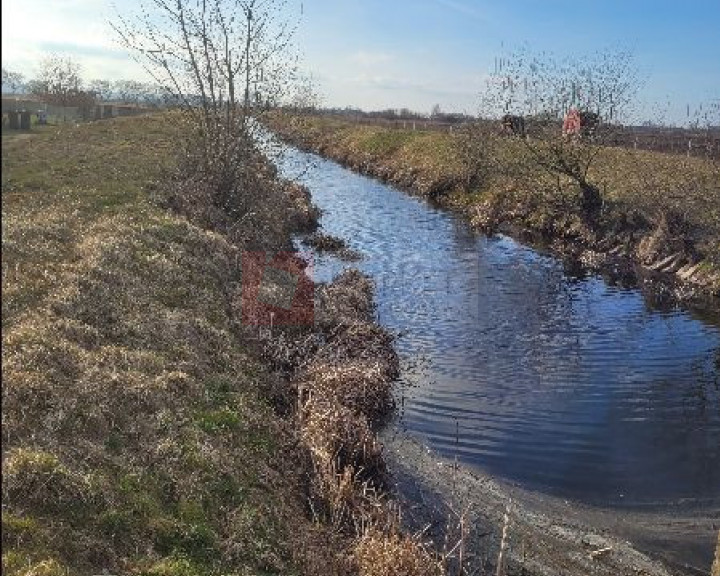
558	383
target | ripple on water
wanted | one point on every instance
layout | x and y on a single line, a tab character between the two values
559	383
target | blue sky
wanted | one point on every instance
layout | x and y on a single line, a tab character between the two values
415	53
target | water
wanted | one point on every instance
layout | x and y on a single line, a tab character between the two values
557	383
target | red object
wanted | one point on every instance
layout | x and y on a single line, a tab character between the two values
259	310
571	124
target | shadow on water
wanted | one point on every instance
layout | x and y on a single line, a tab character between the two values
556	381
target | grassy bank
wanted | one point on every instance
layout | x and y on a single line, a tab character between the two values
137	433
146	430
660	217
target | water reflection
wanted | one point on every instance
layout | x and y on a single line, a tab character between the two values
559	382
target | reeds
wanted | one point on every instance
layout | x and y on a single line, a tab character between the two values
344	391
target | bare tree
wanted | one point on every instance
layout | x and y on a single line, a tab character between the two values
11	81
218	59
542	88
131	91
306	96
60	83
102	89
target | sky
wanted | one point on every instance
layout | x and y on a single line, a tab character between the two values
376	54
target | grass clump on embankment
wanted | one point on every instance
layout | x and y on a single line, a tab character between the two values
332	244
344	393
659	211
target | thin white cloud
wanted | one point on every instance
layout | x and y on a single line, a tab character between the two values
369	58
31	29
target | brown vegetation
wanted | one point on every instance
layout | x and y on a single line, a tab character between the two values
379	555
326	243
344	392
137	434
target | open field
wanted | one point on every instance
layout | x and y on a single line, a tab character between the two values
701	143
659	210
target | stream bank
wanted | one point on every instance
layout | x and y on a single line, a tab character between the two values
534	376
633	246
547	535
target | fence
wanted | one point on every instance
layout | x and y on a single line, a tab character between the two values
689	143
695	143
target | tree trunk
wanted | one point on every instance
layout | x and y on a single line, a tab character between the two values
591	202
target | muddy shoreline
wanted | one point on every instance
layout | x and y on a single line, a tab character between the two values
547	535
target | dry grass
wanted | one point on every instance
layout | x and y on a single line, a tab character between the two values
141	433
336	421
137	436
396	555
359	385
343	391
333	244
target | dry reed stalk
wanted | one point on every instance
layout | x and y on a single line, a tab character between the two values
500	570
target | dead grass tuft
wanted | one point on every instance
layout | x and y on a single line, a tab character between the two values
359	385
327	243
379	554
42	482
340	437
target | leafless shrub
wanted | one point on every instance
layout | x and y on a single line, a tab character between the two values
541	88
222	61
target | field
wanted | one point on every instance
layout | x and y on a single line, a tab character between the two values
699	143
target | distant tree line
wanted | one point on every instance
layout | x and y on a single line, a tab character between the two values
59	82
396	114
